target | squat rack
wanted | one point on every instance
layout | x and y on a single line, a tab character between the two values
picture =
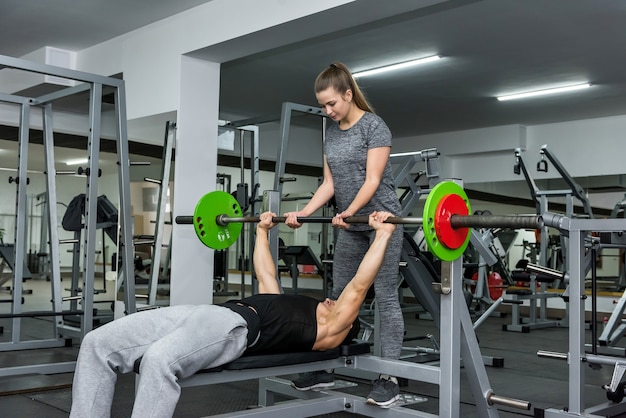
95	86
578	359
247	198
272	197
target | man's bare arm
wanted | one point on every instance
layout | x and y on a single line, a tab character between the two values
349	302
263	261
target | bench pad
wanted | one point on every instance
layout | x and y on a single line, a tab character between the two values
258	361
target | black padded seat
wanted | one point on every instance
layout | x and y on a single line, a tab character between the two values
519	292
521	264
260	361
524	276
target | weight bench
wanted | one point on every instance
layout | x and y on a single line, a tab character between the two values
312	402
267	365
533	275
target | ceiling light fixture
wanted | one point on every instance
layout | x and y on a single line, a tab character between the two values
398	66
403	154
76	161
28	171
544	92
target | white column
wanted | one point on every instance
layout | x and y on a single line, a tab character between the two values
194	176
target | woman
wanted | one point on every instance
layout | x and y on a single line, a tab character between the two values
358	174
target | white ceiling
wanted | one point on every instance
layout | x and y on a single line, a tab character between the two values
490	47
76	25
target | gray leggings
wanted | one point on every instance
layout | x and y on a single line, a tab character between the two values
175	342
350	248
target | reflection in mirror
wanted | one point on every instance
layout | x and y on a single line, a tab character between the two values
151	197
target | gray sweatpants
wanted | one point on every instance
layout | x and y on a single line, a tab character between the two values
350	248
174	342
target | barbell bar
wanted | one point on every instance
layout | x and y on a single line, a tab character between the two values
224	220
218	220
456	221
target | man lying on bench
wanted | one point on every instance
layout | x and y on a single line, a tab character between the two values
177	341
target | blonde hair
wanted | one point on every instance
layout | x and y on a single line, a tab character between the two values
338	76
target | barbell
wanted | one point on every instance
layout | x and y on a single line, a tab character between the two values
218	220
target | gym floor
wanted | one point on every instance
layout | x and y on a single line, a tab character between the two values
524	376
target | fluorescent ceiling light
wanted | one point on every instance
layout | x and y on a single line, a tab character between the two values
76	161
544	92
402	154
397	66
15	170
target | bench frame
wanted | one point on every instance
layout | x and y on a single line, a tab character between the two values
458	341
538	304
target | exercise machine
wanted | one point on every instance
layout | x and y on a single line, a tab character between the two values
458	339
577	357
94	86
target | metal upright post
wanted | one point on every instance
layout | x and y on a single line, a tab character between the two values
91	201
326	209
126	236
544	238
51	214
159	223
75	280
242	237
577	321
43	255
450	336
473	362
281	161
21	182
254	190
271	201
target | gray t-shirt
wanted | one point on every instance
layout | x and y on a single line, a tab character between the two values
346	155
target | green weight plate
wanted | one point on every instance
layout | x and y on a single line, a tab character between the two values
430	210
209	207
